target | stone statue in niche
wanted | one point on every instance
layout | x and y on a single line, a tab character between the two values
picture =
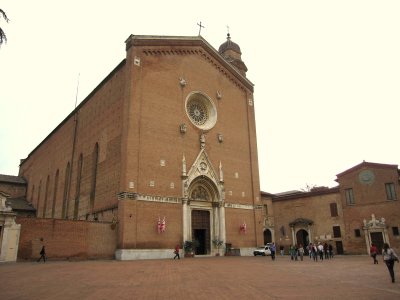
202	141
182	82
183	128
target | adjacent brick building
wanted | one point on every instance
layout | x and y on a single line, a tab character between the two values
361	210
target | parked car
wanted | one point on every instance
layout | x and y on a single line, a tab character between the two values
264	250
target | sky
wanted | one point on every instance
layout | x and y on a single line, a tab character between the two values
326	74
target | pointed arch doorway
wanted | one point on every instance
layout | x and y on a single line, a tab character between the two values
204	216
201	231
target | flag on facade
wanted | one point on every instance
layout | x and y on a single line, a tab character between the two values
243	227
161	225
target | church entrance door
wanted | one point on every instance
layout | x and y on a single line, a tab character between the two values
267	236
201	231
302	238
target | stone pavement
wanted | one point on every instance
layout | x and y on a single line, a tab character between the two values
344	277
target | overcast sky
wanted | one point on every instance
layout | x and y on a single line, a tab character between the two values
326	74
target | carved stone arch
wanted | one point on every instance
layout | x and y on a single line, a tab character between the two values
203	189
301	230
203	173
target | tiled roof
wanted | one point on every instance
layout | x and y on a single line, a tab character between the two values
19	203
367	164
12	179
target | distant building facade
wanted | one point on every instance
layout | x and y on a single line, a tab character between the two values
363	209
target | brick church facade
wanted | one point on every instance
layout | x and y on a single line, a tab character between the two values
165	147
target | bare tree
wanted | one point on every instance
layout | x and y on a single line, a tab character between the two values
308	187
3	37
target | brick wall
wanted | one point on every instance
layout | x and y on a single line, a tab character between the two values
14	190
66	239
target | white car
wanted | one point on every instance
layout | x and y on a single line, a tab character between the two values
264	250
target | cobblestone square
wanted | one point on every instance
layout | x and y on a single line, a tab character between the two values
343	277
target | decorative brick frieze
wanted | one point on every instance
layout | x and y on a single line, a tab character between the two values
151	198
203	54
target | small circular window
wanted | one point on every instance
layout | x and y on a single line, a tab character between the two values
201	110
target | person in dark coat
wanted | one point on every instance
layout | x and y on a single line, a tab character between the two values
42	254
176	252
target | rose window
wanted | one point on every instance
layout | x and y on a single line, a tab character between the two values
197	112
201	110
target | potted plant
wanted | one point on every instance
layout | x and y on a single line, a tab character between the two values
218	243
188	249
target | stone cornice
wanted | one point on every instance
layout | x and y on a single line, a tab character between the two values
177	200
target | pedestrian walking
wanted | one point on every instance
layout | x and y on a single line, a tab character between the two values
291	252
282	249
315	252
310	248
42	254
301	252
321	251
176	251
374	251
326	251
273	251
389	257
330	249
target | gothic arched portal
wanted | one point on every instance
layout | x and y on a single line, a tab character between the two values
205	215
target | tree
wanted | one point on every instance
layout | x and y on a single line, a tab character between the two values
308	187
3	37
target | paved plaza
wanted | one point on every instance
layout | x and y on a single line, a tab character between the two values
344	277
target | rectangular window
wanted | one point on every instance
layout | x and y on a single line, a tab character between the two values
336	232
395	230
357	232
390	191
349	196
334	212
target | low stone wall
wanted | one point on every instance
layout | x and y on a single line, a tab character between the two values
134	254
66	239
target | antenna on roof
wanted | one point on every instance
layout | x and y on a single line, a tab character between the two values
77	89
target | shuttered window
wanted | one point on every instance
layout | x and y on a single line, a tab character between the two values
334	211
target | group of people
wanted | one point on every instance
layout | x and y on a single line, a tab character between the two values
314	251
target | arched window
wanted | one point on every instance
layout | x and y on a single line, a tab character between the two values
95	160
33	193
46	196
54	194
64	212
38	199
78	186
